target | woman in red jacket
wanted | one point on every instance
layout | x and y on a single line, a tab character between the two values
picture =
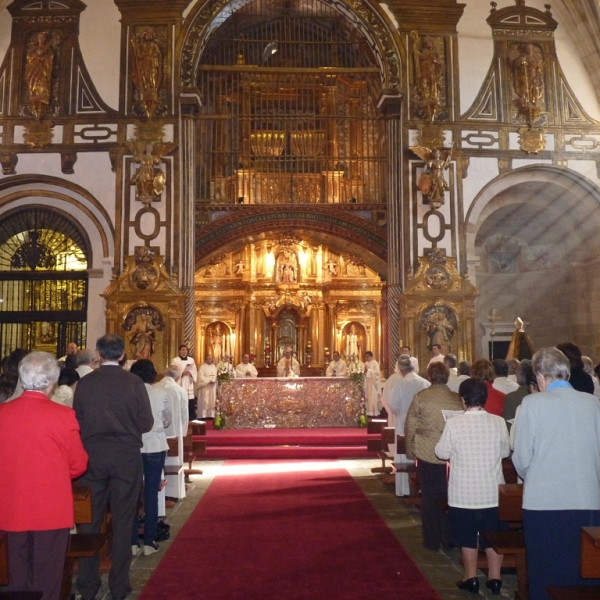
41	452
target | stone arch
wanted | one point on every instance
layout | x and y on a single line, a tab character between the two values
64	197
366	16
532	244
359	236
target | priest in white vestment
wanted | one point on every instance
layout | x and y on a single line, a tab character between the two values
388	386
188	376
288	366
177	400
245	369
207	388
399	400
372	385
337	367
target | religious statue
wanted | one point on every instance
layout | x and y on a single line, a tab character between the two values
38	70
528	82
149	180
431	182
286	268
240	267
352	342
440	329
216	341
147	69
143	337
331	266
429	74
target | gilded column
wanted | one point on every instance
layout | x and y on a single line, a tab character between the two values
186	225
391	108
377	334
331	337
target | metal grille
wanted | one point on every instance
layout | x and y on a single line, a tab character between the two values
289	91
43	283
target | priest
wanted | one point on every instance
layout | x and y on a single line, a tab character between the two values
288	366
337	367
207	388
245	369
188	376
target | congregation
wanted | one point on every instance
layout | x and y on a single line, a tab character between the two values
460	420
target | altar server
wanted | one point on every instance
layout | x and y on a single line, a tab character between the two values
188	376
207	388
372	385
245	369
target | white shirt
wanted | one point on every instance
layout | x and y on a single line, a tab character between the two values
504	385
294	365
434	359
156	440
475	443
243	368
454	382
337	368
187	382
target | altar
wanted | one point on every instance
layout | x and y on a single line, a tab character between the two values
287	403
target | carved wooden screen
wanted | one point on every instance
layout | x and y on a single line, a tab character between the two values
43	282
289	91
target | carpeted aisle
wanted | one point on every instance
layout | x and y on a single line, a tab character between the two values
286	536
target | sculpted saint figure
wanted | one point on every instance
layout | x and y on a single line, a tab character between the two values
432	183
148	69
143	338
38	71
528	81
429	71
440	331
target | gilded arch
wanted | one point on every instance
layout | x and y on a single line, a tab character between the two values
367	17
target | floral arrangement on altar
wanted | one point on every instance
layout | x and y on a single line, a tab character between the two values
223	372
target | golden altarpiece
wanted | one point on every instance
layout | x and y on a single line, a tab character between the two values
283	292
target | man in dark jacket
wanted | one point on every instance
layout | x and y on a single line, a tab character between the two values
113	410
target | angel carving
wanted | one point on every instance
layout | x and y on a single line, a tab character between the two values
431	182
149	180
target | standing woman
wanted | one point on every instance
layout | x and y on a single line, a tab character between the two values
422	430
557	454
475	443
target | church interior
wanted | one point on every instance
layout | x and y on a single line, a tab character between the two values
247	176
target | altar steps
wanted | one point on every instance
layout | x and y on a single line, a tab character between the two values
271	444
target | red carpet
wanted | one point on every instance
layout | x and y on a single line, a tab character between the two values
272	444
309	535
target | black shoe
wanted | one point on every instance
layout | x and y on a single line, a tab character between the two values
470	585
495	585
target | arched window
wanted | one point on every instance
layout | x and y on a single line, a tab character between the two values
43	281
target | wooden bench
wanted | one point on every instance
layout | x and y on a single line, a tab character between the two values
414	498
380	446
589	567
4	575
80	544
511	543
193	447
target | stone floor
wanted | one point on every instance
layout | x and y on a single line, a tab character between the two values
441	568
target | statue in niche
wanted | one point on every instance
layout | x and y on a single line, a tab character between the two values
429	73
432	183
143	337
528	82
331	266
147	69
287	269
38	70
240	267
352	342
215	335
440	324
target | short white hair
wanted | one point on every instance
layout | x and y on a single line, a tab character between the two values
38	370
405	364
551	364
172	371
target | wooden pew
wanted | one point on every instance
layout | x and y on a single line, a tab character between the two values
414	499
589	565
380	446
80	544
511	543
193	447
4	575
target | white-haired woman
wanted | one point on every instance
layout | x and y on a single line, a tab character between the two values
557	454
